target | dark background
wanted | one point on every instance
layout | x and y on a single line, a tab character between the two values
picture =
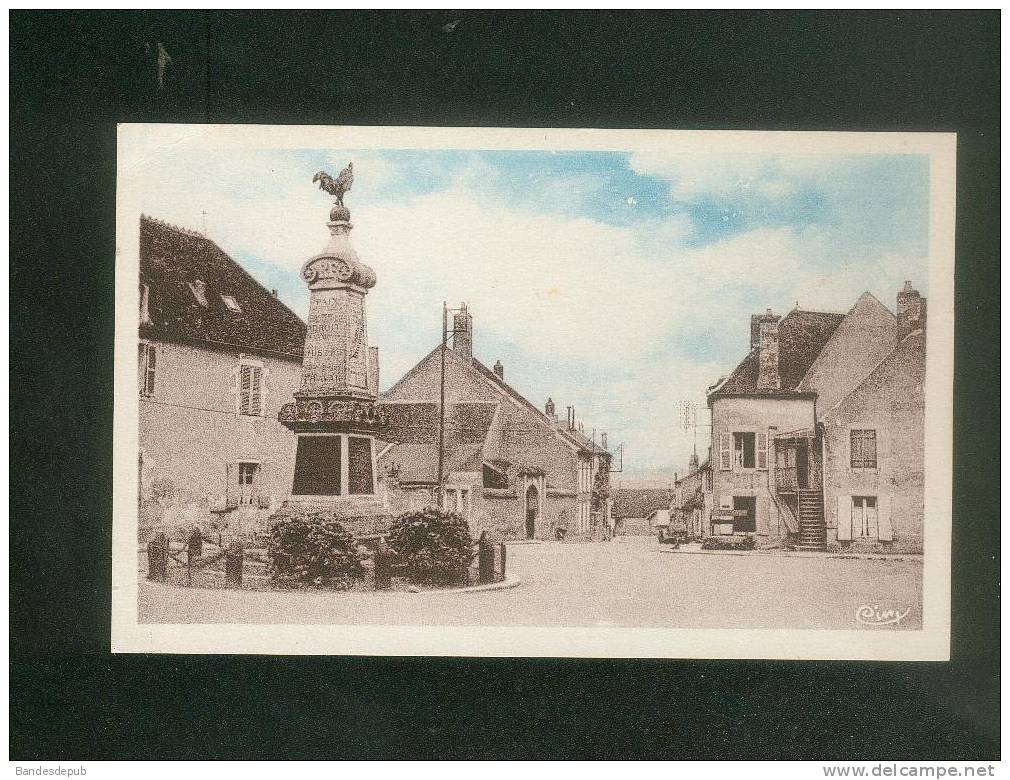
73	75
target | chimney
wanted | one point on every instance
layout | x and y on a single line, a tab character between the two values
911	311
603	440
768	351
499	370
549	410
462	327
755	326
571	418
273	293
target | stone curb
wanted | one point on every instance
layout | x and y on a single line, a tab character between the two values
506	584
804	554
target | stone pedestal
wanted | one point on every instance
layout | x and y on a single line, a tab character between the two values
333	412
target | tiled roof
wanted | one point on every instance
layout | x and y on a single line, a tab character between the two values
173	259
576	437
412	430
417	462
417	422
802	335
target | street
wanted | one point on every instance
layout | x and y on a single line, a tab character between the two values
629	581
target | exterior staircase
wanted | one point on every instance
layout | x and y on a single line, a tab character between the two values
813	532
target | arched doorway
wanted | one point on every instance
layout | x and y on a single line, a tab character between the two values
532	510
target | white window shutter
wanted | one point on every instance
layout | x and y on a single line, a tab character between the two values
762	450
725	502
885	529
243	389
844	518
725	459
255	391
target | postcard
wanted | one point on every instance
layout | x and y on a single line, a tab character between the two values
533	392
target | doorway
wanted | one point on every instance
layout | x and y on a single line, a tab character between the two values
802	468
532	510
744	514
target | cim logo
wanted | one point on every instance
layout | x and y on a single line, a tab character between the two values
876	615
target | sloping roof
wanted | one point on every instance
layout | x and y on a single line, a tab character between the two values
580	441
417	422
412	430
172	259
802	335
418	462
577	438
907	362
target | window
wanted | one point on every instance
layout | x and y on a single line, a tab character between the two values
246	482
148	359
231	303
250	390
458	500
863	449
864	517
725	462
762	450
199	290
493	478
743	450
145	299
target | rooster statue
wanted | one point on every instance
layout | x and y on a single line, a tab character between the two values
336	187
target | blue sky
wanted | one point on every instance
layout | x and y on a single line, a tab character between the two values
620	283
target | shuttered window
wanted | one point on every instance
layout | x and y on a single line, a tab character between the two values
725	454
864	517
250	390
148	359
863	449
762	450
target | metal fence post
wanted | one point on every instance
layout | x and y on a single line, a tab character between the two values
233	560
485	560
157	558
383	566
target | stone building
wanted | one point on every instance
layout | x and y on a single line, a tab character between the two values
691	505
218	356
821	421
509	467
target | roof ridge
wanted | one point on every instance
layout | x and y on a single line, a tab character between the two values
176	228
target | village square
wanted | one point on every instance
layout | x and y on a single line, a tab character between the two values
283	478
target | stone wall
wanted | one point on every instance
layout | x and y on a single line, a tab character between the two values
192	438
758	415
891	402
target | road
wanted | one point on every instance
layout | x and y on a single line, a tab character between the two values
627	582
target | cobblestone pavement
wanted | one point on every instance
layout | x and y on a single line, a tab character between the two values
625	582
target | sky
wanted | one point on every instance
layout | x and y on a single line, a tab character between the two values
618	283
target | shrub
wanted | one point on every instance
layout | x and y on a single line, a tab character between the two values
312	549
433	545
728	543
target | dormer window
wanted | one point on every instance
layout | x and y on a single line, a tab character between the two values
145	296
231	303
199	290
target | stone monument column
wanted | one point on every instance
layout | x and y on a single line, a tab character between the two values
333	413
